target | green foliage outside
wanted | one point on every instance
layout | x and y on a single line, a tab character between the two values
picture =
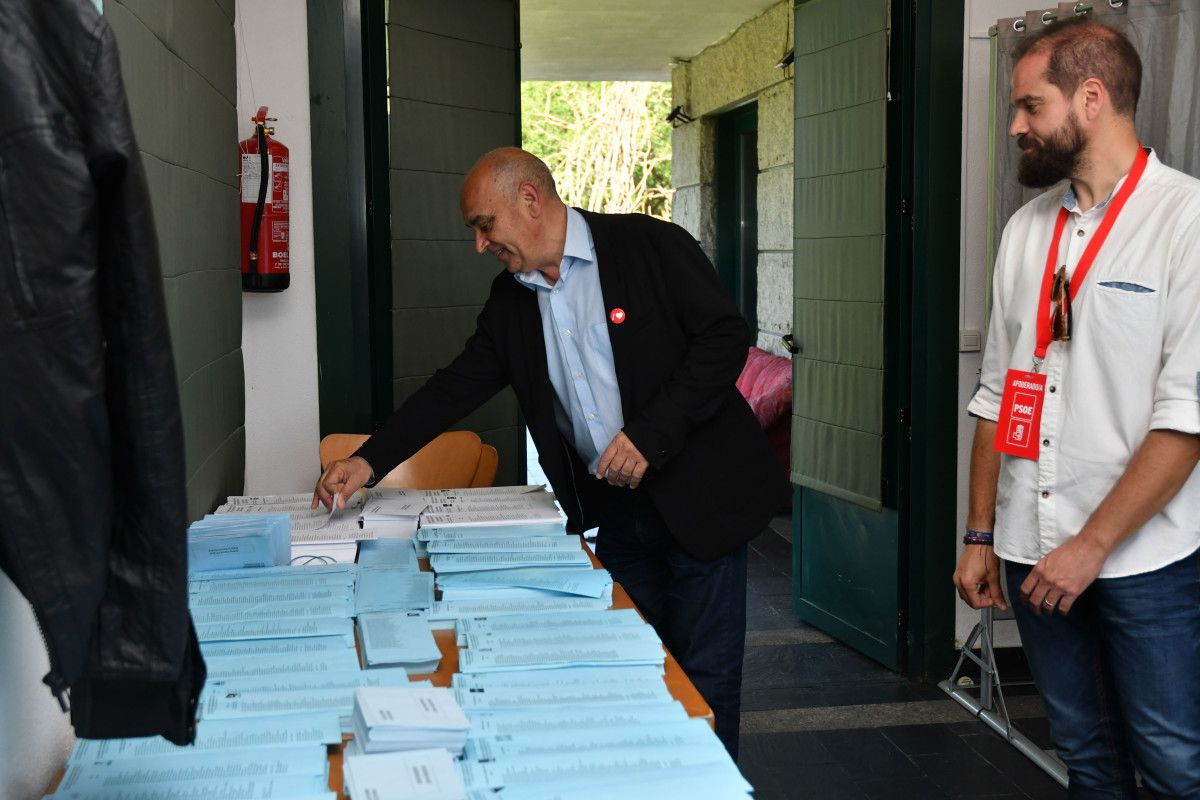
606	142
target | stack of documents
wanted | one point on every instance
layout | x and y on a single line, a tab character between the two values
526	584
415	718
238	541
399	639
398	554
316	534
501	646
392	517
424	774
390	589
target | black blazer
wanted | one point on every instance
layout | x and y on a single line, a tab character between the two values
677	354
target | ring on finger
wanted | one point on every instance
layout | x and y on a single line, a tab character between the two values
1048	603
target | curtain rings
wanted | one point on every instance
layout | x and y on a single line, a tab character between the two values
1019	25
1082	8
1115	3
1048	17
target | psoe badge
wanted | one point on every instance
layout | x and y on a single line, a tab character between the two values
616	316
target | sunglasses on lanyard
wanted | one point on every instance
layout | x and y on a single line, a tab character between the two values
1060	307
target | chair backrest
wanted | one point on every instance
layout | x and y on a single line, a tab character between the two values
454	460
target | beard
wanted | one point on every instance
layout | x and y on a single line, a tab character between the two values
1053	160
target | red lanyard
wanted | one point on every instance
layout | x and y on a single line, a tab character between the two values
1089	254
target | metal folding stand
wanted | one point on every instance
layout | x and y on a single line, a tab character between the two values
989	707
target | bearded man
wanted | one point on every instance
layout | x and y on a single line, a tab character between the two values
1083	470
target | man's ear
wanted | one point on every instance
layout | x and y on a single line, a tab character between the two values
530	198
1094	95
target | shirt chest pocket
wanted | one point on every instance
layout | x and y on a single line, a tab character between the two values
1123	312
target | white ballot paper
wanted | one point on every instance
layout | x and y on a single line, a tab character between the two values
492	518
410	718
429	533
414	775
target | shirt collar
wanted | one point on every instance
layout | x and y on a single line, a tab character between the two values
578	249
1071	203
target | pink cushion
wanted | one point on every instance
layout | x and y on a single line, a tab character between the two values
766	383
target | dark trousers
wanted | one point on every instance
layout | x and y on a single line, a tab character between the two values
698	608
1120	678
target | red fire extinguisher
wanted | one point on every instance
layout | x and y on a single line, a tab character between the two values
264	209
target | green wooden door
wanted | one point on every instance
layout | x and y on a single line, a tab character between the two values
847	529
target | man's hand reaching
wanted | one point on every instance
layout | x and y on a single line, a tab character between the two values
341	479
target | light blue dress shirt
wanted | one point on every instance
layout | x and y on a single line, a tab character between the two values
578	351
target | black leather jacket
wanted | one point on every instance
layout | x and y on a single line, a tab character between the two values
92	493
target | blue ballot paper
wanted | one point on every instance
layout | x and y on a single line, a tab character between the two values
505	544
563	638
218	735
276	629
558	655
540	677
259	595
186	766
251	648
389	554
499	722
582	582
567	621
676	734
697	782
341	607
399	638
235	666
295	572
607	694
237	541
474	562
443	613
295	693
387	589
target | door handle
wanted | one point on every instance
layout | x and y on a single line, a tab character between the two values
790	344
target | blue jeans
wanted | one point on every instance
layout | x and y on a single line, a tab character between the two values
1120	677
698	608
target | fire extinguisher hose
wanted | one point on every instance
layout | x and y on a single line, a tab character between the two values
263	182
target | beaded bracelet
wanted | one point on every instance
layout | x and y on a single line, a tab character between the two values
977	537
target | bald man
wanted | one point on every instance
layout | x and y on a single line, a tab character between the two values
623	349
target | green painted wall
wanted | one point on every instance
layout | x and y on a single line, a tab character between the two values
453	96
179	66
840	179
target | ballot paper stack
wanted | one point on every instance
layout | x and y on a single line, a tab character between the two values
237	541
539	642
424	774
409	718
316	535
588	733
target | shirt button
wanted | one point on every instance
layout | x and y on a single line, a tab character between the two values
1053	389
554	291
1080	232
1045	442
578	374
591	416
566	331
1045	495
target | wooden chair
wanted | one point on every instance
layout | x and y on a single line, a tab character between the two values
454	460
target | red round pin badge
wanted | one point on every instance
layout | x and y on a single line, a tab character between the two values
616	316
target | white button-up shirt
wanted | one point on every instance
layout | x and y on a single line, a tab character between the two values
1132	365
578	349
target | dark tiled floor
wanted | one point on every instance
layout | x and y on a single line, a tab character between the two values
796	677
